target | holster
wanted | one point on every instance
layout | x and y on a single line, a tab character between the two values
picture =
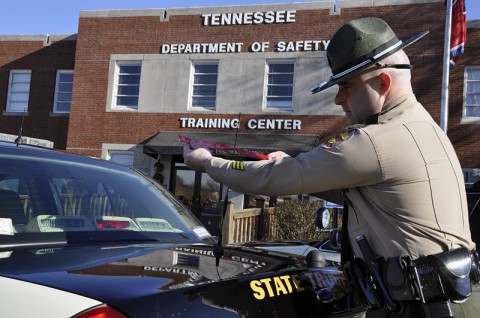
357	273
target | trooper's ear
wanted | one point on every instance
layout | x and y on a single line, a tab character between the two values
385	82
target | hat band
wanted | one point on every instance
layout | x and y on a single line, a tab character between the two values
369	59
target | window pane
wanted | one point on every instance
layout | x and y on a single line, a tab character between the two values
204	89
129	79
19	97
473	99
127	101
63	106
21	77
65	87
280	91
20	87
281	68
128	87
473	87
65	77
280	85
17	106
64	97
473	111
473	74
128	90
206	68
279	102
130	69
280	79
205	79
203	101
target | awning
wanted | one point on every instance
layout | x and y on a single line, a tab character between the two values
166	142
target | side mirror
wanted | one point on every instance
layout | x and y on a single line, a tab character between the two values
322	218
336	239
322	221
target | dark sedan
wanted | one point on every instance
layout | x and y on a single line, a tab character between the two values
82	237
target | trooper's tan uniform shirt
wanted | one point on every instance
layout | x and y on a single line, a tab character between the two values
403	181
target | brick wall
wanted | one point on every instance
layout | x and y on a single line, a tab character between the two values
464	136
43	61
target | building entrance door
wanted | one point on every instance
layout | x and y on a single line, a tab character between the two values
200	193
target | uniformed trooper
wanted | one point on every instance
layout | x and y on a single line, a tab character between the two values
394	167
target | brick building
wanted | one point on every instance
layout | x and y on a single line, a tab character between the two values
233	74
30	68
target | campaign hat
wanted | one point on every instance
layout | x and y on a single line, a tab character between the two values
359	44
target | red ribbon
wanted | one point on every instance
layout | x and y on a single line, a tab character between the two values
217	145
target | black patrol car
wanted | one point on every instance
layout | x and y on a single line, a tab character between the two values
82	237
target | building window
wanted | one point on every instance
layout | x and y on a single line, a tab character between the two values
471	100
19	91
63	92
279	94
204	88
122	157
128	85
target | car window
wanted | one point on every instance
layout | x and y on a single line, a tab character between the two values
44	193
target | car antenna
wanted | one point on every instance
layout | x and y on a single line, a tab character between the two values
19	139
218	249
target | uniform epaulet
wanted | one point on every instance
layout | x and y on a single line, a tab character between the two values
338	140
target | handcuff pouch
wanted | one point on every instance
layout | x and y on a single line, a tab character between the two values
453	268
398	279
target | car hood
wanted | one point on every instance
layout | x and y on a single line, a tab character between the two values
163	280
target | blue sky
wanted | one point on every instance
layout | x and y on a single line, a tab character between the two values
61	16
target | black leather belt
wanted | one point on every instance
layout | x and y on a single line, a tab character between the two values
436	280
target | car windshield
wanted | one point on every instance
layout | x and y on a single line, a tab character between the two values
47	192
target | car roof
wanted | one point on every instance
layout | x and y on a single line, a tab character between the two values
49	153
21	145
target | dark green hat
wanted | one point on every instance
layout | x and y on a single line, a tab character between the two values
358	45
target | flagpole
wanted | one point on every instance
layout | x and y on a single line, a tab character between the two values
446	68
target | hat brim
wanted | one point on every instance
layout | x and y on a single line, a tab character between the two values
359	68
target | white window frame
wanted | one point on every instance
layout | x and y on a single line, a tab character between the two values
14	93
117	84
287	106
467	91
59	92
122	157
193	85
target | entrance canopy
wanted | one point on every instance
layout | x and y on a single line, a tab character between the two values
166	142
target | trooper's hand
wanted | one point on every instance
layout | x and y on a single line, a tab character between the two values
195	156
278	155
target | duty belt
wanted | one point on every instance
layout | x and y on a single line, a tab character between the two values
436	280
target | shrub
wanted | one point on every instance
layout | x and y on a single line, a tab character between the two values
295	220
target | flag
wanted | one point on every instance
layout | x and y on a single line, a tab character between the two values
458	30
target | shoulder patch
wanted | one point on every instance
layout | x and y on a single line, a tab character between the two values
238	165
337	140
